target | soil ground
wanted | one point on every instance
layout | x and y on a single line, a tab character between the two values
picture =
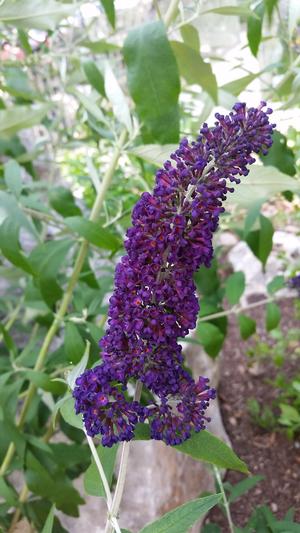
268	453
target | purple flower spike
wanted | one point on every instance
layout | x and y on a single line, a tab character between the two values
154	301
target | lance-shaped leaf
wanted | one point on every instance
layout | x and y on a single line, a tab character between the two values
92	482
194	70
93	233
18	118
180	520
153	81
34	13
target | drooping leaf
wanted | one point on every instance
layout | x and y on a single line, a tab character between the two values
261	241
240	11
73	343
247	326
12	176
117	98
81	366
94	76
46	259
204	446
9	244
93	232
190	36
109	8
62	200
8	492
234	287
153	82
280	155
67	411
273	316
211	338
254	28
34	13
194	69
180	520
92	482
17	118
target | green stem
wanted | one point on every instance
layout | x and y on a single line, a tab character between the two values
241	309
225	501
171	12
82	253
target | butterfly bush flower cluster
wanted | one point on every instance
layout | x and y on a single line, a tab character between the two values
154	301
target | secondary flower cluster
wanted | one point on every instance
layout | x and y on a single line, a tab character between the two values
294	283
154	301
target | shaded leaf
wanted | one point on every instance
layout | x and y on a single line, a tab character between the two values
9	244
276	284
109	8
211	338
190	36
62	200
81	366
261	241
67	411
243	486
194	69
280	155
49	522
254	28
153	82
92	482
94	76
12	177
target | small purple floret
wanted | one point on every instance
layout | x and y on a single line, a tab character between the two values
294	283
154	301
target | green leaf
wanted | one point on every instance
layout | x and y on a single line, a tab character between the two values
254	28
62	200
235	87
42	380
280	155
34	13
190	36
234	287
243	486
7	492
109	8
73	343
247	326
49	522
88	103
240	11
194	69
93	232
180	520
262	183
12	177
17	118
211	338
276	284
154	82
92	482
100	47
204	446
81	366
46	259
261	241
273	316
94	76
67	411
154	153
289	415
9	244
117	98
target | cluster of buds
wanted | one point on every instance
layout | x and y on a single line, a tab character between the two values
154	302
